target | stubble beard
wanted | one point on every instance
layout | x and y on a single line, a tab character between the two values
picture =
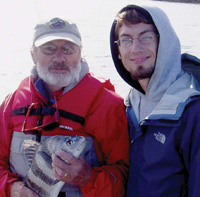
142	73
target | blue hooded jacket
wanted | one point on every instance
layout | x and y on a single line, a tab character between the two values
165	144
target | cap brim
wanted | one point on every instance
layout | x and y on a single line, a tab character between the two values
57	36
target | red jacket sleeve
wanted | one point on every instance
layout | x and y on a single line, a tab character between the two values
6	177
108	124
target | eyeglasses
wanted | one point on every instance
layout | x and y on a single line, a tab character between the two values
67	49
145	38
50	123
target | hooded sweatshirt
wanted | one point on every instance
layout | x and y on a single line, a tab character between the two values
167	69
164	121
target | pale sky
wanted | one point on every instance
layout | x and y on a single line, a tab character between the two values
93	18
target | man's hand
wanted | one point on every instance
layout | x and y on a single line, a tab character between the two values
77	172
18	189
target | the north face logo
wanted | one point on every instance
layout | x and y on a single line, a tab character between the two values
160	137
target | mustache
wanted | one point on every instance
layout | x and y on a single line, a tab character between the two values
59	65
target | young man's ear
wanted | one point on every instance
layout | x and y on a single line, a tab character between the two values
119	56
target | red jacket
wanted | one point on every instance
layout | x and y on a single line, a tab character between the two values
88	109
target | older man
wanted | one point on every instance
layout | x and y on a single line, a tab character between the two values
61	97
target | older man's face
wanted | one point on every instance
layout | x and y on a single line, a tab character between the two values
55	64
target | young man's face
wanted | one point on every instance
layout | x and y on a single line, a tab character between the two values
138	55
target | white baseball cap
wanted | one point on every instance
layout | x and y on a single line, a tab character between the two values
56	29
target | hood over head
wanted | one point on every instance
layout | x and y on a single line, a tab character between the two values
168	62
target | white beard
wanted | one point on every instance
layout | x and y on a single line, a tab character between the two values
59	79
